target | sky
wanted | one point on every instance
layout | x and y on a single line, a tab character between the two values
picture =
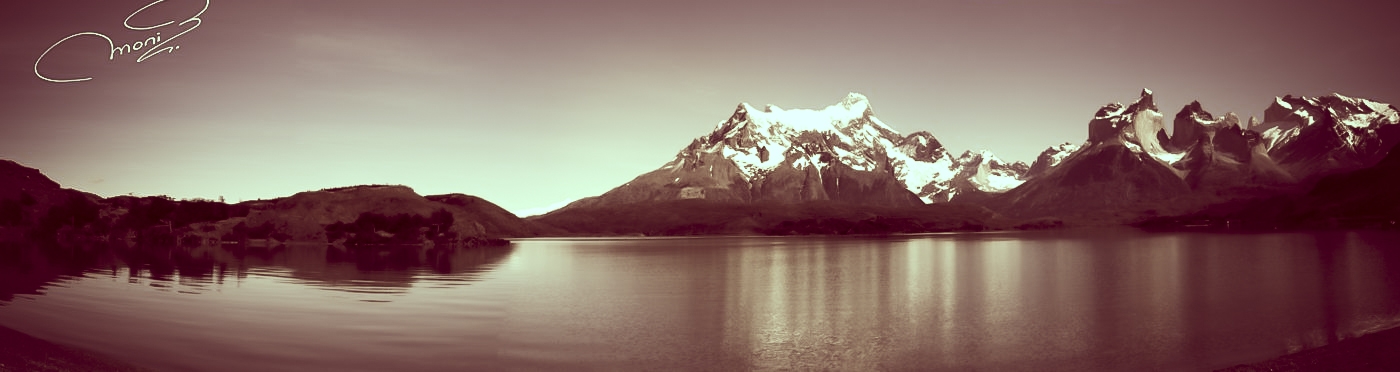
530	103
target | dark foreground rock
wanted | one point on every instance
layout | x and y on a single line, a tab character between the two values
1378	351
22	352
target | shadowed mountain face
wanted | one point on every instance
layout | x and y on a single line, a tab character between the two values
1121	164
1366	197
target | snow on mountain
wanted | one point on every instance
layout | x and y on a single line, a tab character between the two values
1286	117
1136	126
841	152
760	140
844	153
1050	158
928	170
988	173
1314	135
924	166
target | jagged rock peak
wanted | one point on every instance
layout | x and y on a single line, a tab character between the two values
1144	101
1190	125
921	146
980	156
921	138
1194	109
1113	120
1230	120
852	99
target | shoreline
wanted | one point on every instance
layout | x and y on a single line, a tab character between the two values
21	352
1379	351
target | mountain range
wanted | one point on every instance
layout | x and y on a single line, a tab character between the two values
841	153
1128	168
838	170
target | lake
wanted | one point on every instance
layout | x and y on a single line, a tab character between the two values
1045	301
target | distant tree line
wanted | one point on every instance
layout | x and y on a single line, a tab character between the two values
375	228
162	210
142	215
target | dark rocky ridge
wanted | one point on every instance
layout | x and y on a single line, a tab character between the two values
1050	158
1311	137
1219	153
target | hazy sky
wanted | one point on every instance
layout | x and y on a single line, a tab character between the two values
527	103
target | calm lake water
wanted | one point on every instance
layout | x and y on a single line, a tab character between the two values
1068	301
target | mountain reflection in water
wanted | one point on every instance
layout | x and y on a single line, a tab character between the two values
30	267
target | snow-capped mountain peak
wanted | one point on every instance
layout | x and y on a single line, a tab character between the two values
846	135
988	173
1050	158
856	102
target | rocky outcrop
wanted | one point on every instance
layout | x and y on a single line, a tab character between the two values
921	146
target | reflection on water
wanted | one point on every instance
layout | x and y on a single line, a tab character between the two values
28	267
232	308
1044	301
991	302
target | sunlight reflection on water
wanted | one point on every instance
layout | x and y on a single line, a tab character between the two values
1038	301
